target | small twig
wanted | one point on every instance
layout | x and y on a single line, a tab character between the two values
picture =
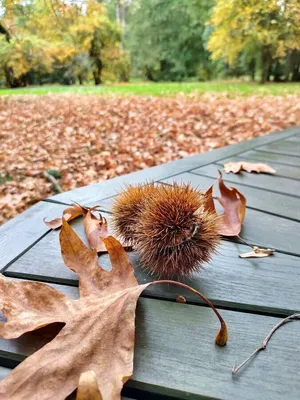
266	340
55	184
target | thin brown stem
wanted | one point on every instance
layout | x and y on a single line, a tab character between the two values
222	336
266	340
251	245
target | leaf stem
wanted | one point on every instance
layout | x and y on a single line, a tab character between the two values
266	340
222	336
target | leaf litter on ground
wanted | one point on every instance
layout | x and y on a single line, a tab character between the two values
88	139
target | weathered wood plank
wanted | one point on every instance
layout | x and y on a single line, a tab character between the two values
228	280
282	147
263	156
175	354
23	231
295	138
102	190
275	183
285	171
275	203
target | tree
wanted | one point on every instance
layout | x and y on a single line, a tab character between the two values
65	39
165	37
268	28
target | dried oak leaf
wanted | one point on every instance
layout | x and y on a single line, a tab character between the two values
234	205
237	167
98	334
257	252
70	213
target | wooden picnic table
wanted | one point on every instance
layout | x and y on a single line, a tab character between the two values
175	355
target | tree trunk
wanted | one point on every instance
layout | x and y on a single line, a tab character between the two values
80	79
252	66
266	62
11	80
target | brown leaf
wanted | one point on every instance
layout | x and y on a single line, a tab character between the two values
69	214
88	387
258	253
95	230
98	327
237	167
234	205
98	334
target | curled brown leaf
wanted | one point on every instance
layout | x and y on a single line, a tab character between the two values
234	206
239	166
257	252
70	213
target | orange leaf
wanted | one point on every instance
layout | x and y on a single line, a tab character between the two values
237	167
69	214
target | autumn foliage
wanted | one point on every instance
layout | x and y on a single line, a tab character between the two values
87	139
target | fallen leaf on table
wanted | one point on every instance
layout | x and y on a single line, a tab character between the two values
69	214
88	387
237	167
234	205
96	229
257	252
98	333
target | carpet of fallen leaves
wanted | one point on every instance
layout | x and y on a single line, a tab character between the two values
87	139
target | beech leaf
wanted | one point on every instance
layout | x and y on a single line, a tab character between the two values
237	167
98	333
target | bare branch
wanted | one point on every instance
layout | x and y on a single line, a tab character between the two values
266	340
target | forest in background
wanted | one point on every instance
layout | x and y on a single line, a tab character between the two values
84	41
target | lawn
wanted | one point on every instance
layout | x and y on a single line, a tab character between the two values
166	89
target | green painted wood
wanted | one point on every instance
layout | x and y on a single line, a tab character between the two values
295	138
269	182
175	354
20	233
94	193
283	147
285	171
263	156
275	203
228	280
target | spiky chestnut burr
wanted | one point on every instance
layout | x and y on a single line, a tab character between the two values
168	227
127	208
174	234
